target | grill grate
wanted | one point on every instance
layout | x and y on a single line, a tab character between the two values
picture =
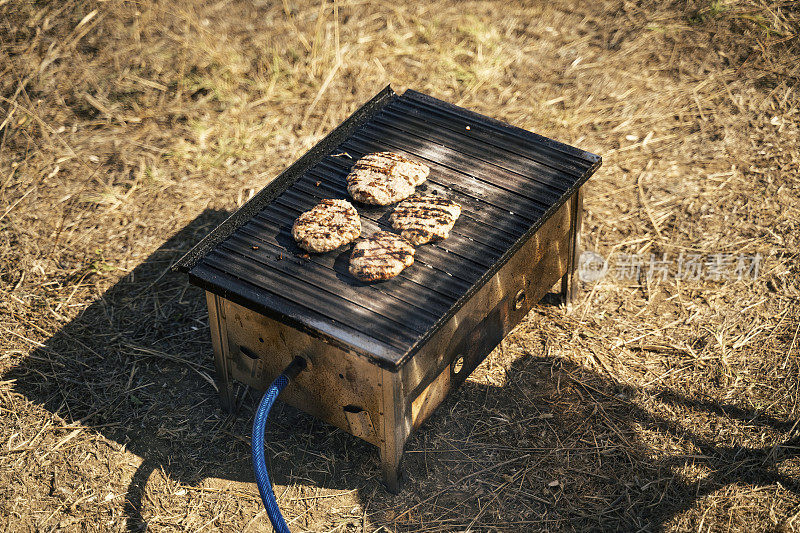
506	180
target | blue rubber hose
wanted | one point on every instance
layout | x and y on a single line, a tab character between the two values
259	426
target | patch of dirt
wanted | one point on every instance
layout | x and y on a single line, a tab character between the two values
128	130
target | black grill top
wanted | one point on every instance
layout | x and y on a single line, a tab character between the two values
507	181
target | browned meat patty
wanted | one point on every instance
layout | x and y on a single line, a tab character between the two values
380	256
327	226
421	219
384	178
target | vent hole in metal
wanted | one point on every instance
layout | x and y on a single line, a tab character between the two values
519	299
248	352
458	365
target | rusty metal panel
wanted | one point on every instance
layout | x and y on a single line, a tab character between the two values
499	306
431	396
260	348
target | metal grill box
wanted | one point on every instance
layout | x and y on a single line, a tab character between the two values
384	355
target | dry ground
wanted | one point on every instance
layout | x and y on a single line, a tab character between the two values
129	129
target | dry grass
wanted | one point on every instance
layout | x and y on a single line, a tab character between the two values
128	129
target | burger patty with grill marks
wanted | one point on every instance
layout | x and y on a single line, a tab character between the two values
380	256
384	178
327	226
420	219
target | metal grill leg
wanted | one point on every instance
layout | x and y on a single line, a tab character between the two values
225	386
394	428
569	282
219	340
390	463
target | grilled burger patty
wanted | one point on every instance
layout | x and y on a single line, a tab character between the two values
395	164
420	219
384	178
380	256
327	226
